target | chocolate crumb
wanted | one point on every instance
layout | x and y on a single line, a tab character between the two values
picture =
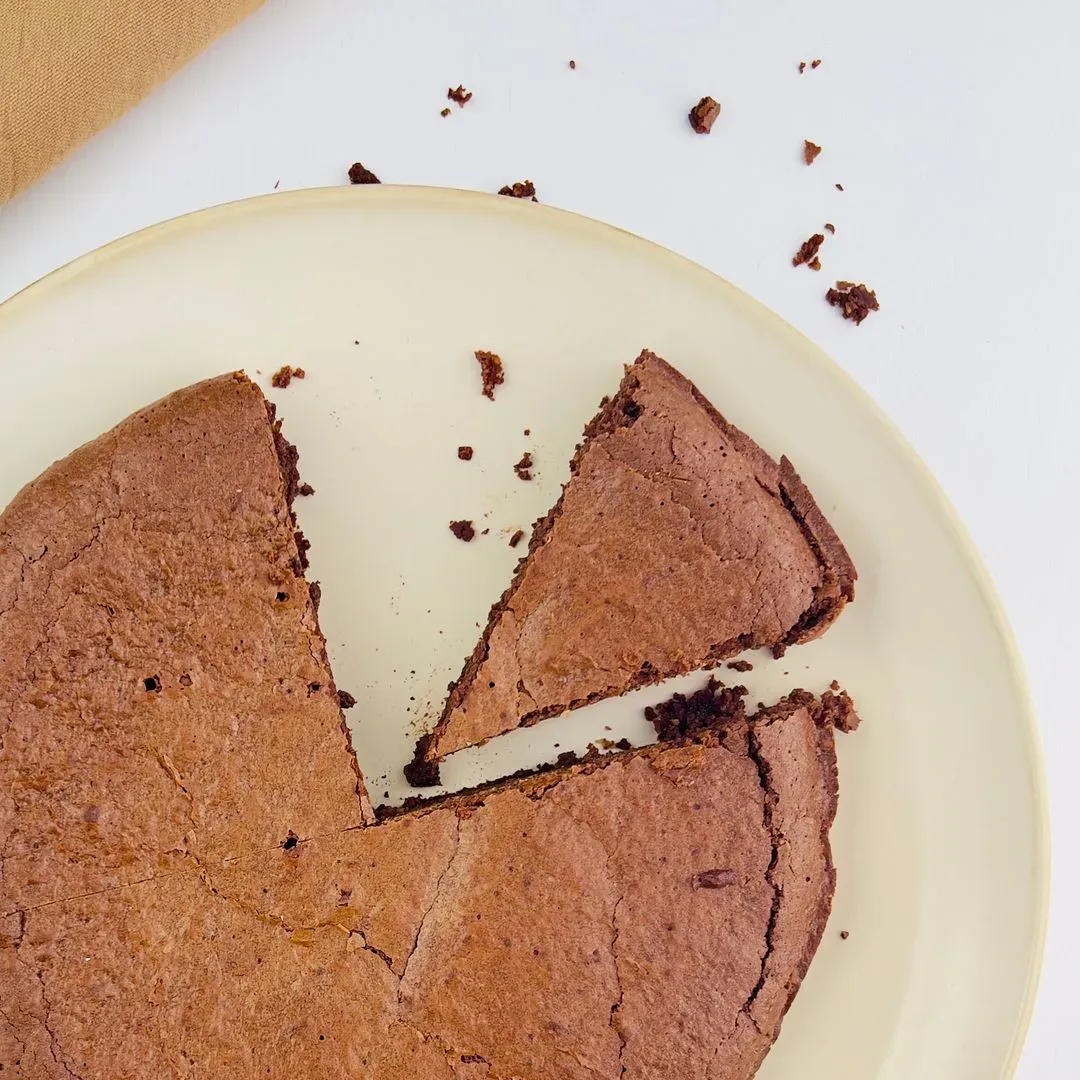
802	66
463	530
527	432
844	935
572	65
465	453
713	706
444	112
345	699
809	249
740	665
517	537
524	467
305	489
484	532
854	301
276	182
285	375
359	175
522	189
814	264
810	151
837	709
491	372
715	879
830	227
839	187
703	115
816	64
459	95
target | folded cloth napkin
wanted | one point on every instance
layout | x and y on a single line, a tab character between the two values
69	67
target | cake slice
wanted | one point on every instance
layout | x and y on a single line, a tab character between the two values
164	688
641	915
676	543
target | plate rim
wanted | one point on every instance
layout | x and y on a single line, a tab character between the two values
394	196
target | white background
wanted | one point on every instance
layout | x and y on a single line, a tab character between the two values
952	126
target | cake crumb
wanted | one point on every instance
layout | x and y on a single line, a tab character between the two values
802	66
305	489
359	175
830	227
459	95
572	65
463	530
808	250
518	536
522	189
524	467
740	665
703	115
345	699
491	372
838	710
844	935
465	453
444	112
810	151
854	301
814	263
527	432
285	375
839	187
815	64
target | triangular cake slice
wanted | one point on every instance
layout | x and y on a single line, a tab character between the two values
155	625
676	543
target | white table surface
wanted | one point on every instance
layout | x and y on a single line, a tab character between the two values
952	126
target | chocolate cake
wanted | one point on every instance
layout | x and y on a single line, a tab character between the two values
193	880
677	543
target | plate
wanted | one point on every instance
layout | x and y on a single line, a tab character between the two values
381	295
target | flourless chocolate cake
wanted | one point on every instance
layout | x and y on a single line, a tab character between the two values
194	883
677	542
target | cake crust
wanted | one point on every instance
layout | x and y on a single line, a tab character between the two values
677	543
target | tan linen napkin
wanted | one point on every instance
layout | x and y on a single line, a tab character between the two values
69	67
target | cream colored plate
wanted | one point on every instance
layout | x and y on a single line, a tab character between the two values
382	295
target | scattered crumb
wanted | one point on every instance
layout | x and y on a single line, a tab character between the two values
463	530
465	453
345	699
523	189
359	175
844	935
834	686
839	187
802	66
838	709
810	151
305	489
276	182
808	250
285	375
830	227
814	263
524	467
527	432
459	96
444	112
703	115
855	301
816	64
485	532
491	372
572	65
740	665
518	536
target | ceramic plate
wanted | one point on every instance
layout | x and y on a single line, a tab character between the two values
381	295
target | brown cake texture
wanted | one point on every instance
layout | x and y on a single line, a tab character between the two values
677	543
194	883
